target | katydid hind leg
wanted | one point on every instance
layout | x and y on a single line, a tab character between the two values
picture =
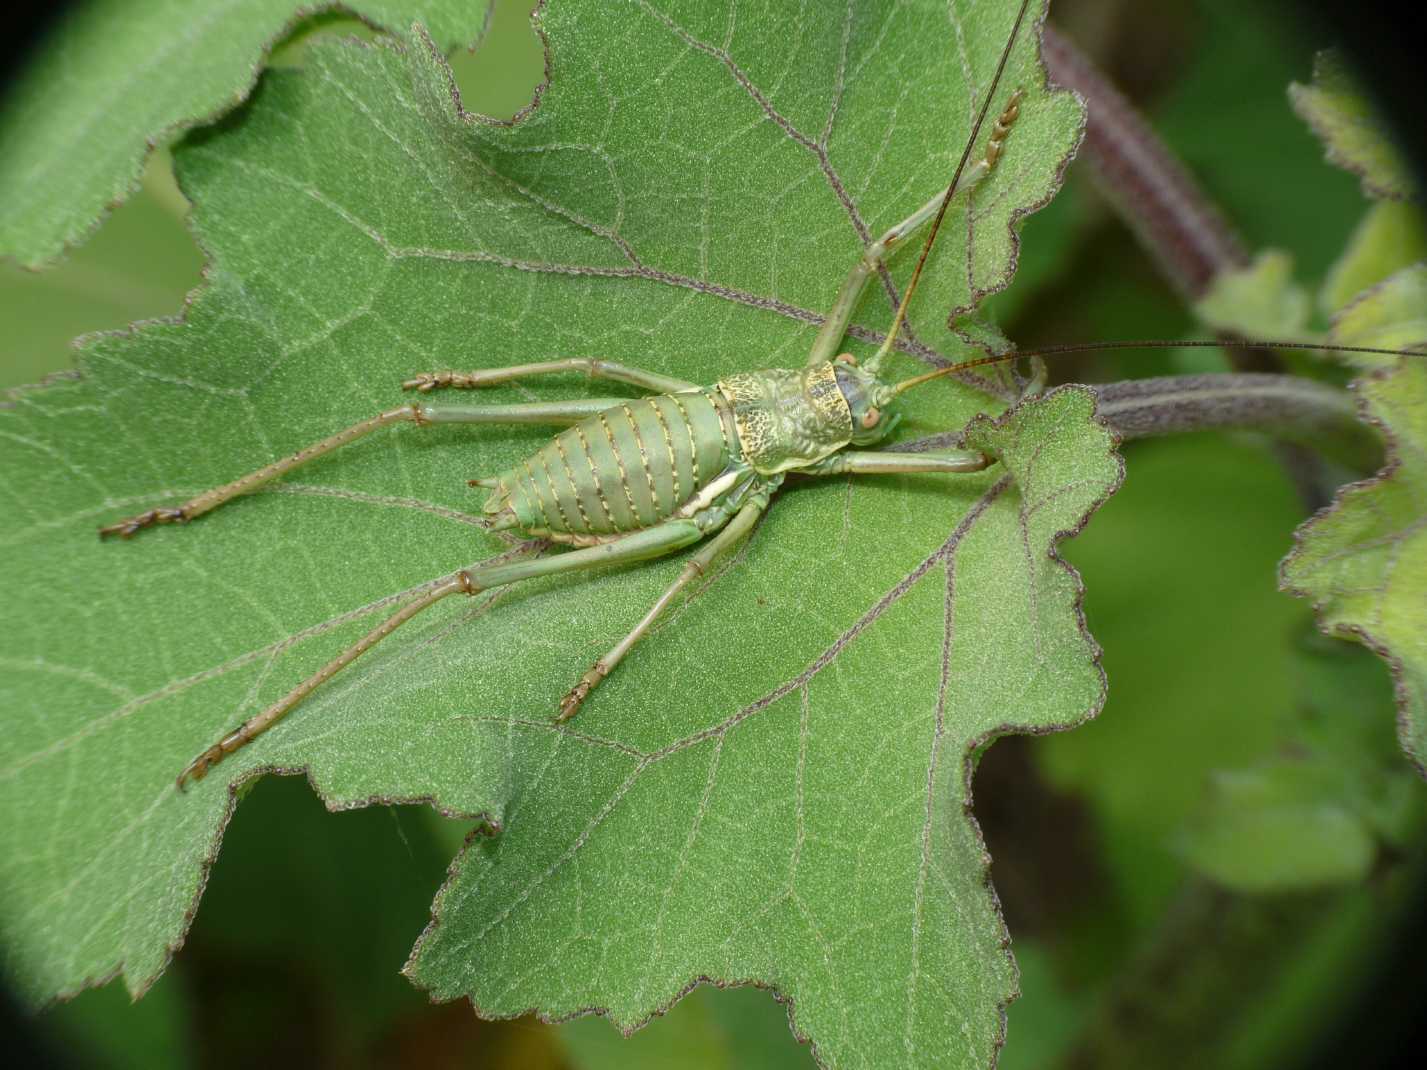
650	542
216	496
558	413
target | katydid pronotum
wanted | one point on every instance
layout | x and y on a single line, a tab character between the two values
628	480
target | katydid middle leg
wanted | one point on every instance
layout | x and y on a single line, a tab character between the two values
559	413
697	565
656	541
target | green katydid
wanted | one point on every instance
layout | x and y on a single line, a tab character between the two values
628	480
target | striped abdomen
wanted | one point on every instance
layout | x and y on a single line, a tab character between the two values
626	468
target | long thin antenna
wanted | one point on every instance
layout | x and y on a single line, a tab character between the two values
1090	347
951	189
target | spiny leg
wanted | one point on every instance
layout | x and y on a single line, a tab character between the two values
651	542
697	565
829	338
593	367
558	412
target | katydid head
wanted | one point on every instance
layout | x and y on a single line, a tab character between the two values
867	399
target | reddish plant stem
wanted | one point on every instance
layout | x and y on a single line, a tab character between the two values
1155	194
1173	218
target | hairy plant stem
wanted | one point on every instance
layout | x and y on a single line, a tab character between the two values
1178	223
1288	407
1153	192
1291	409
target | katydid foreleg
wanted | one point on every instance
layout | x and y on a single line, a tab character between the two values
834	327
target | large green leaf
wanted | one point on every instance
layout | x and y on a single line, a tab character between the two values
116	78
774	787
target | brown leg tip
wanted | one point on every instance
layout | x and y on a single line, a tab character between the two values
426	382
126	529
570	704
198	768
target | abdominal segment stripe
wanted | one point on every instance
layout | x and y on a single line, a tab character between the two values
634	518
669	445
623	469
564	524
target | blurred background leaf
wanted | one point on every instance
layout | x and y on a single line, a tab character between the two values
113	79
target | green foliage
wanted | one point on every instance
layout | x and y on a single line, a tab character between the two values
118	78
1318	811
1355	136
1209	671
1390	315
774	788
1258	301
731	1029
1392	235
1360	562
1280	826
1179	571
1364	562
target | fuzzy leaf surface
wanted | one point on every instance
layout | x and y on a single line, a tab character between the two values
774	786
115	78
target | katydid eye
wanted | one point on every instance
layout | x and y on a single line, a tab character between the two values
870	418
845	358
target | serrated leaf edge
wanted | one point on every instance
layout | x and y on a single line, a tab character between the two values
1397	670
